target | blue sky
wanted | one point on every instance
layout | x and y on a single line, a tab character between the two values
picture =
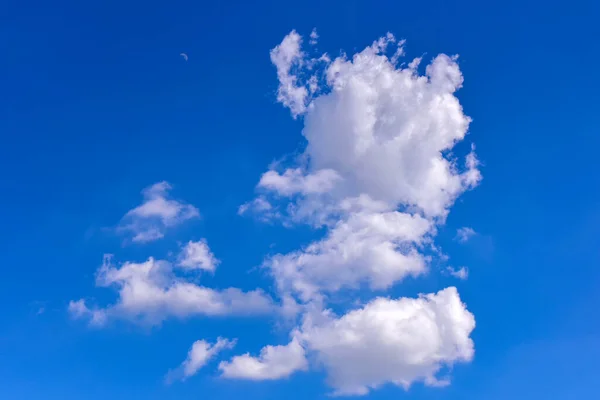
97	104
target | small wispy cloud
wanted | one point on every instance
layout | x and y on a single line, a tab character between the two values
149	221
464	234
274	362
198	356
314	37
39	307
461	273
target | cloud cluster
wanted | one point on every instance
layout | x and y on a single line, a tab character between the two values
152	291
380	171
397	341
381	131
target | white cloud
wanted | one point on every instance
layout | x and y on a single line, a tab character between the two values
384	131
150	292
149	221
274	362
391	341
462	273
286	56
472	176
376	248
380	171
78	309
398	341
464	234
259	204
197	255
262	209
295	181
379	139
198	356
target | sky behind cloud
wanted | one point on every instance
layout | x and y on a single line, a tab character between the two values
374	201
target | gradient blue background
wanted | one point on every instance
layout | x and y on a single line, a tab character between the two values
95	104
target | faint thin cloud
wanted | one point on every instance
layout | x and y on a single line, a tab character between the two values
464	234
